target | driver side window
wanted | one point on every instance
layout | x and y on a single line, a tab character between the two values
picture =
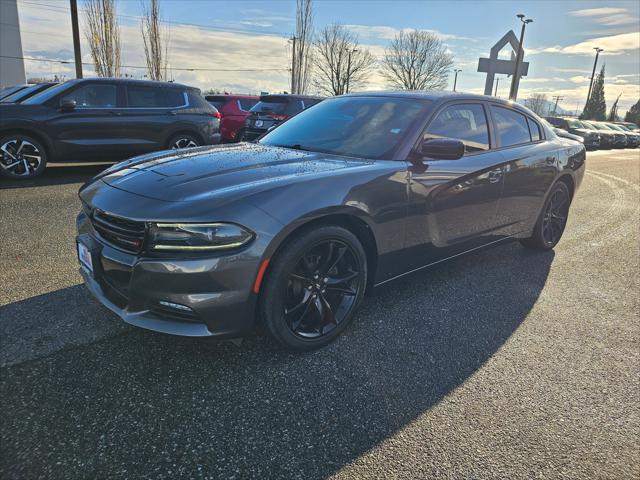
464	122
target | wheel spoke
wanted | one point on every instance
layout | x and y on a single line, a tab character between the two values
331	281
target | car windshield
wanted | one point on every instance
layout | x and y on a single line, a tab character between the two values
24	93
47	94
367	127
589	125
574	123
615	127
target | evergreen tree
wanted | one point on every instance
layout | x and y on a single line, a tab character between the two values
633	115
596	107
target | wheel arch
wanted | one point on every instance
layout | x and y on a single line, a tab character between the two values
568	180
350	218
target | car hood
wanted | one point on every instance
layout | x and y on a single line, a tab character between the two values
224	172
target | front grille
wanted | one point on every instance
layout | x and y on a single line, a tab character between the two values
125	234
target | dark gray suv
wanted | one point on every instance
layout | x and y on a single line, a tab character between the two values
102	120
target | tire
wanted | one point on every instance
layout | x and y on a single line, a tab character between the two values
552	221
21	157
313	288
183	140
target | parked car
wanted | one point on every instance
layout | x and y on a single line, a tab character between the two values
564	134
272	110
234	110
6	91
607	137
355	192
619	138
575	127
630	126
102	120
633	138
26	93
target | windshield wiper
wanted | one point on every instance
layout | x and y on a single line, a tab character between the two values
295	146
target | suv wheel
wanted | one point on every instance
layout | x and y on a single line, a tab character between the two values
21	156
183	140
314	288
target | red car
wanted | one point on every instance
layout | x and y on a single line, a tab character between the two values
234	110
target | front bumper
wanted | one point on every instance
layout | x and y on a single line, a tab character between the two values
217	290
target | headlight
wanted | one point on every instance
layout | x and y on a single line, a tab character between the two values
197	236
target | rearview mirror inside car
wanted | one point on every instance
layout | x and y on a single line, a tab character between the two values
442	149
67	105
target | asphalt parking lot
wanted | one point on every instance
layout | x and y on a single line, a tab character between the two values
503	364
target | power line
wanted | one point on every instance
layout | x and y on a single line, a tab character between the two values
145	67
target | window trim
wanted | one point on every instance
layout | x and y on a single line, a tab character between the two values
86	84
524	114
490	130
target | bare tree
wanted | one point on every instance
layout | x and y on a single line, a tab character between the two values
156	40
417	60
537	103
302	47
340	63
103	35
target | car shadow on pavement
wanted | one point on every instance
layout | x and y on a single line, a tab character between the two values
145	405
58	174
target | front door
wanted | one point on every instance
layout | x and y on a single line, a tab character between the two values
93	130
453	203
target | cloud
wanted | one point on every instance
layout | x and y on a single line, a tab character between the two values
612	45
607	15
385	32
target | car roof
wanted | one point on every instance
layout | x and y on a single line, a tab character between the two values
291	96
131	81
231	96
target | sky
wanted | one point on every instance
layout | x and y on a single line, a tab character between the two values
244	45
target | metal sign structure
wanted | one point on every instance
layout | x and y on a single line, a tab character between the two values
493	65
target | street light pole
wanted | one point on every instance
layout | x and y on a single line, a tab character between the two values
76	38
455	79
293	65
513	93
593	73
495	92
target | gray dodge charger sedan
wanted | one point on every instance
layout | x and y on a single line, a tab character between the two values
291	232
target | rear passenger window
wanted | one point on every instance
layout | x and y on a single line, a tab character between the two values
467	123
150	97
512	127
94	96
534	130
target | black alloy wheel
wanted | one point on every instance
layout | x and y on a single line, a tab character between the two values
314	288
551	224
21	157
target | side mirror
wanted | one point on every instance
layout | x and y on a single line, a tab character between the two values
67	105
442	149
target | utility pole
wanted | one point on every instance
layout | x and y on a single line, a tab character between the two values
558	98
513	93
293	65
495	92
349	52
76	38
455	79
593	73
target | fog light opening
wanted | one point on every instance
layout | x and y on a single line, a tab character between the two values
175	306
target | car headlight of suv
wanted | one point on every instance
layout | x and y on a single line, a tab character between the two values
197	236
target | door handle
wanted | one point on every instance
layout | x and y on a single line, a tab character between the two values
495	175
115	114
173	114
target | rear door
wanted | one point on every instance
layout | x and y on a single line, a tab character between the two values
530	167
149	116
453	203
92	130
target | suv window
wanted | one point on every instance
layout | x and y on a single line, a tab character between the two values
153	97
270	107
465	122
94	96
511	126
246	104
